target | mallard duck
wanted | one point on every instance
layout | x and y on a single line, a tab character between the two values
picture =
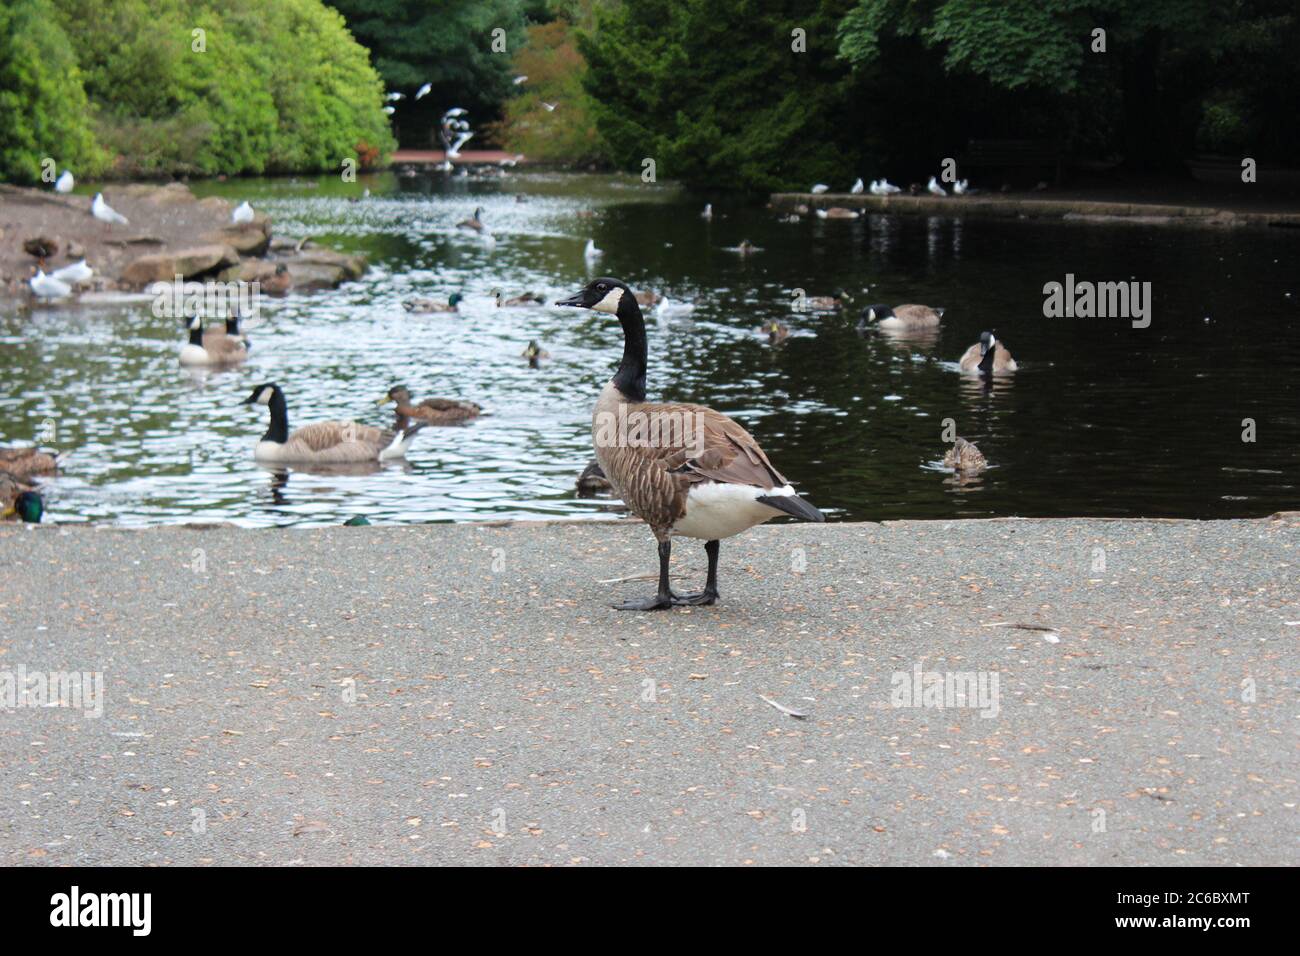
837	212
987	356
647	299
323	442
527	299
534	353
41	248
900	317
211	348
828	303
705	478
279	283
19	498
23	463
592	481
775	331
474	222
434	411
963	457
433	305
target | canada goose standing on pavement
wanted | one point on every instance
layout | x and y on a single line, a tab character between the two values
987	356
331	442
901	317
709	484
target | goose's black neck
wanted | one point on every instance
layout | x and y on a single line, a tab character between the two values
630	377
196	335
232	325
986	363
278	431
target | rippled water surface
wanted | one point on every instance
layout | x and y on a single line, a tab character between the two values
1102	419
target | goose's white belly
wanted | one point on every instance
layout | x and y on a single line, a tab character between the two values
194	355
715	510
269	451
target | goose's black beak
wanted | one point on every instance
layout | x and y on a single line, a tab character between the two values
579	300
248	401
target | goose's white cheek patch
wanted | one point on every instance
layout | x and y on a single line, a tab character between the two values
610	303
265	397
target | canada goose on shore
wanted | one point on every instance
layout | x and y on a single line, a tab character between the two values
987	356
474	222
964	458
900	317
434	411
433	305
827	303
709	481
19	498
211	348
776	332
535	353
23	463
329	442
517	301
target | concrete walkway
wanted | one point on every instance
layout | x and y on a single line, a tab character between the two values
462	694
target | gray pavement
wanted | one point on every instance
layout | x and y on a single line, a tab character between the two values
463	694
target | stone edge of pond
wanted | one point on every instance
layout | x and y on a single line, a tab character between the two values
1088	211
1291	518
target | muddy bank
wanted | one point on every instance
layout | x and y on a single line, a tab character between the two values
170	232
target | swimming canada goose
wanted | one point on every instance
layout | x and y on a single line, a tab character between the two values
534	353
592	481
987	356
324	442
837	212
527	299
23	463
709	480
964	458
474	222
433	305
212	334
434	411
211	348
827	303
775	331
19	498
900	317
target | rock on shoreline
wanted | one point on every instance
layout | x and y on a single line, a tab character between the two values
170	233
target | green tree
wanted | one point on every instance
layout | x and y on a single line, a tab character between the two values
718	95
42	102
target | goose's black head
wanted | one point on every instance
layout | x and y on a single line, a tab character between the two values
604	295
874	313
262	394
987	341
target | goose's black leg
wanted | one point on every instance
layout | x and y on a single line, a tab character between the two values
665	596
710	592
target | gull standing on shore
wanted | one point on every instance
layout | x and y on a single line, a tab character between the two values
65	182
106	213
243	213
48	287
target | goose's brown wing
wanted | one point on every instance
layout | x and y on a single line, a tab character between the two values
916	314
727	453
321	436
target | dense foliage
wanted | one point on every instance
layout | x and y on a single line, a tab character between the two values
188	86
42	103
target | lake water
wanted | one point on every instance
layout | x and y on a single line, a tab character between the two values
1102	418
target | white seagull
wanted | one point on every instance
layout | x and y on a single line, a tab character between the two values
453	151
820	188
242	213
960	187
550	107
65	182
394	97
423	91
390	110
888	189
456	111
77	272
106	213
708	211
857	187
519	80
48	287
934	188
